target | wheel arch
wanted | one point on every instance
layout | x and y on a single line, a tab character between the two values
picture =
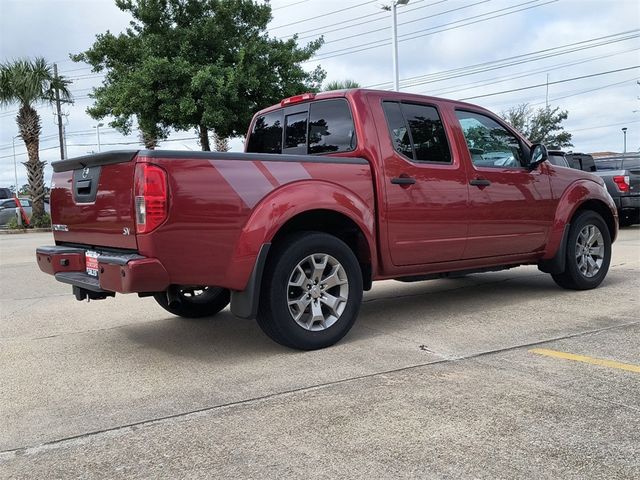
306	205
603	210
336	224
582	197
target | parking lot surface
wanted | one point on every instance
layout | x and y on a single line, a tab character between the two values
497	375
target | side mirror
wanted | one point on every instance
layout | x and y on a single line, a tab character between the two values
538	155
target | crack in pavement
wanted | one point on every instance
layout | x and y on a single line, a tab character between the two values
82	438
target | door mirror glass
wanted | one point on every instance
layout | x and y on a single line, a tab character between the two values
538	155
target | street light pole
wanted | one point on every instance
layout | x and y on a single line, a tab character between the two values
15	164
394	41
97	127
624	133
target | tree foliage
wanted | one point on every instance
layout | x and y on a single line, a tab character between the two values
341	85
29	82
543	125
203	64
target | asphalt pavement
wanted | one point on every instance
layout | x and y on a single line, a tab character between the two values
499	375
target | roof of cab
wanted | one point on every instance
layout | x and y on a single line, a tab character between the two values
391	95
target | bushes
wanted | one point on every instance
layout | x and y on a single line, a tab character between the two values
42	221
13	224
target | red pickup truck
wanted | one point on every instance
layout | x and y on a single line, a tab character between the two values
335	190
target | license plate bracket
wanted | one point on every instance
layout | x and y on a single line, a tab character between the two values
91	262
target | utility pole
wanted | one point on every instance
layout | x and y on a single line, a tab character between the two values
97	127
624	133
59	114
547	98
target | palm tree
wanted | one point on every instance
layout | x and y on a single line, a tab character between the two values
341	85
28	83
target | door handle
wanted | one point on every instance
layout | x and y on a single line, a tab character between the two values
403	181
479	182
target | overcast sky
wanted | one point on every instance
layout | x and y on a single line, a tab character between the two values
436	37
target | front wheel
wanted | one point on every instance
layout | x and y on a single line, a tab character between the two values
195	302
312	293
588	253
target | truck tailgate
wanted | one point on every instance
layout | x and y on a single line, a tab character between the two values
92	200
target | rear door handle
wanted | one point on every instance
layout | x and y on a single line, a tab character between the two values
479	182
403	181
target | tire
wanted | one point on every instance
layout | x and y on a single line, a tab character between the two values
585	269
295	309
205	304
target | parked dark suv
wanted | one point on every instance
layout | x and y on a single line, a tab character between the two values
621	175
5	193
581	161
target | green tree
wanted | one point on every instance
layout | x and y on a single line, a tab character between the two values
341	85
203	64
28	83
135	87
543	125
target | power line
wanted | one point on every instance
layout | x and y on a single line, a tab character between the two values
406	37
326	14
24	153
381	14
605	126
582	92
411	21
550	83
486	66
514	60
290	5
559	66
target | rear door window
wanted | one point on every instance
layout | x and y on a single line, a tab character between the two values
331	127
398	129
417	132
266	136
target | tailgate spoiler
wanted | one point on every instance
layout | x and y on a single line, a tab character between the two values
95	159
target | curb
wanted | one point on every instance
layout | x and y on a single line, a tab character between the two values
24	230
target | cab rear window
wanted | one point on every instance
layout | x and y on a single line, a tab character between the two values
325	126
266	136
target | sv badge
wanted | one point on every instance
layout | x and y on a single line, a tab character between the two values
126	231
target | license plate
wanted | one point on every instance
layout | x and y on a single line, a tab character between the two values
91	259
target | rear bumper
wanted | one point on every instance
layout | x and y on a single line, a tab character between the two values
120	273
630	202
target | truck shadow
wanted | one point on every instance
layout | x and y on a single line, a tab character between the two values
414	307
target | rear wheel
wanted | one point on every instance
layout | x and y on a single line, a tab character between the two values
312	293
588	253
195	302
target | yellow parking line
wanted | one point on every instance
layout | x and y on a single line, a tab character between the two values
583	358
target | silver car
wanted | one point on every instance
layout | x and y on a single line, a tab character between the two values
9	209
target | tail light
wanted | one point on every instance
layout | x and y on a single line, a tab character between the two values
622	182
151	196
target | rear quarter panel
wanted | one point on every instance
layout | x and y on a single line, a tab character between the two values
222	211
